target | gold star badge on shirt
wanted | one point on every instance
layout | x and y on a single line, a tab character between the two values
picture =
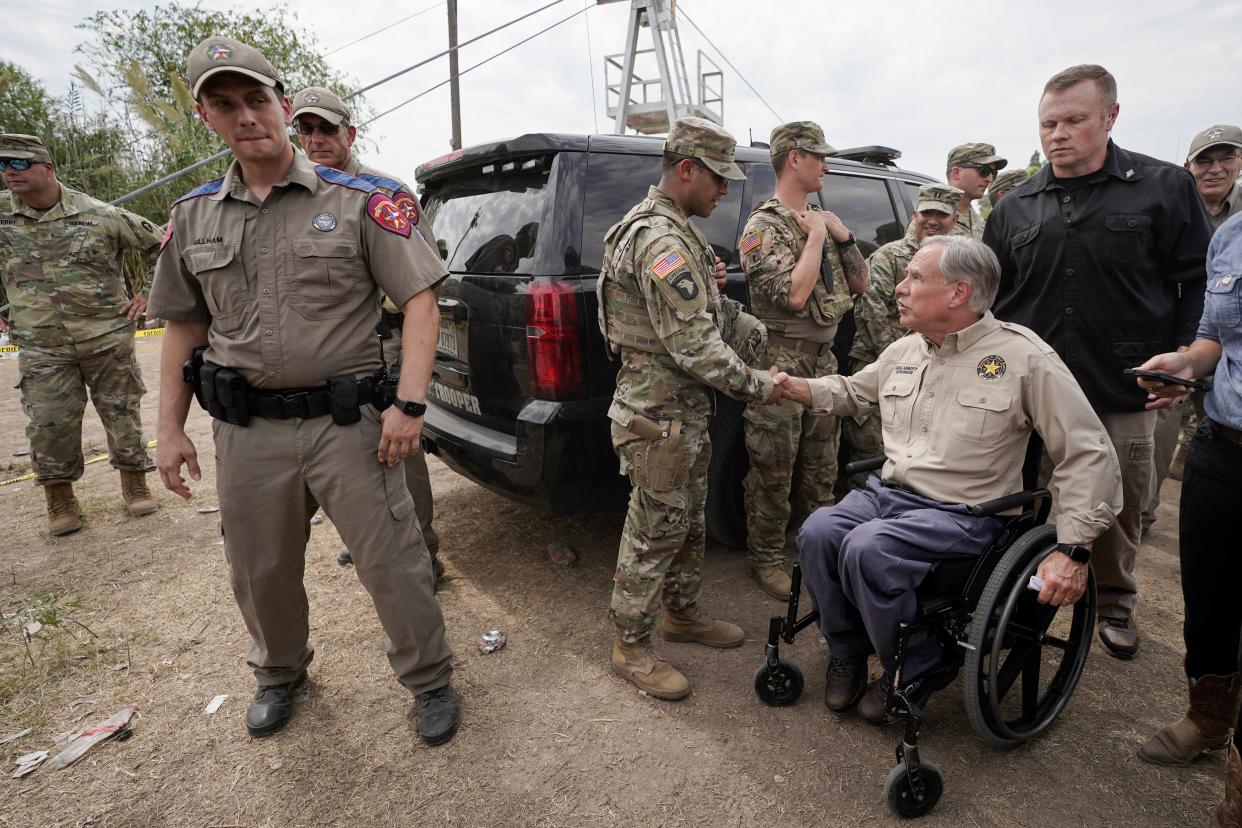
991	367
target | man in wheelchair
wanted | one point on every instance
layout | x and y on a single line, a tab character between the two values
958	400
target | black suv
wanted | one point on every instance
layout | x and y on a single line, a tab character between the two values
522	379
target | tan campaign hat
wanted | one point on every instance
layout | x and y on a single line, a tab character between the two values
710	143
940	197
803	135
224	54
1215	136
975	154
1006	181
30	147
318	100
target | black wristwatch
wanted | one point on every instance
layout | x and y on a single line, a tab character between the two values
1077	554
848	241
411	409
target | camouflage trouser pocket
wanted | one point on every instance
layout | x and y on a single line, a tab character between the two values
658	461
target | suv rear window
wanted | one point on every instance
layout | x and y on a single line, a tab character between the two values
863	204
488	222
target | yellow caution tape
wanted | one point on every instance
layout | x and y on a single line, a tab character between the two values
9	349
13	349
32	475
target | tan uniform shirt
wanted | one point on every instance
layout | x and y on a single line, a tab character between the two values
957	419
1229	208
289	284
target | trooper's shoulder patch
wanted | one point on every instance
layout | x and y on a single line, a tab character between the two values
385	212
408	205
209	188
343	179
168	234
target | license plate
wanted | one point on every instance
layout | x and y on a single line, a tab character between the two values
447	341
452	396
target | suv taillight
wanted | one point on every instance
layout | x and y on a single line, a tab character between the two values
553	348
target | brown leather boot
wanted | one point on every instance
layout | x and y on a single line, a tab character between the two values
636	663
845	682
138	499
1229	813
773	580
696	626
1208	725
64	515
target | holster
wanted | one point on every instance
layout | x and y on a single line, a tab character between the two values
661	464
190	370
231	395
343	399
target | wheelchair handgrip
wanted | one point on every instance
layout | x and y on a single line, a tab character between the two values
1004	504
870	464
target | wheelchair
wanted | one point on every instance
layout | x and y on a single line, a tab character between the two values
1021	659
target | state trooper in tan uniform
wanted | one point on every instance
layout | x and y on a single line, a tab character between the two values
276	268
323	124
802	269
971	168
958	401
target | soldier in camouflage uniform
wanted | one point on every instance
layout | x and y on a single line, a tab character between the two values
802	266
659	309
322	122
875	315
70	314
971	168
1004	184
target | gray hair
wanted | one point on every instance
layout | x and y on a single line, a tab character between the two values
965	260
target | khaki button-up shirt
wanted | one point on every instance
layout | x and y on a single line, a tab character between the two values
957	419
289	284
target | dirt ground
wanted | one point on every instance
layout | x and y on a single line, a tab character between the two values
549	737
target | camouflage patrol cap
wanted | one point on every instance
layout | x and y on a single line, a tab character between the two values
940	197
803	135
1006	181
216	55
318	100
1215	136
975	154
30	147
708	142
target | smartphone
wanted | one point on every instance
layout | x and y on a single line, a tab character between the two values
1169	378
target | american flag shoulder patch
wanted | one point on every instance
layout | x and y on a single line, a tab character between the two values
668	264
750	241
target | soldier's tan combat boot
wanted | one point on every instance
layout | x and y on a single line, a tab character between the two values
636	663
1208	725
64	516
138	499
773	580
695	626
1229	813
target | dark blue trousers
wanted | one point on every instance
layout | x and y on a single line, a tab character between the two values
863	558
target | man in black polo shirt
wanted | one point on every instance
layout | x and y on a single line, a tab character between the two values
1102	255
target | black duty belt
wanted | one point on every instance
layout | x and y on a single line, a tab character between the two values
804	346
301	403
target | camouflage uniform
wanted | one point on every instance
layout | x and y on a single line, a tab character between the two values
660	310
793	450
62	272
968	221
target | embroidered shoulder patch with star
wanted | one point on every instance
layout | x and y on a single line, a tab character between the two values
408	205
991	367
384	212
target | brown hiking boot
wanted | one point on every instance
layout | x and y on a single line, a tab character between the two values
845	682
1229	814
64	515
695	626
773	580
138	499
1208	725
636	663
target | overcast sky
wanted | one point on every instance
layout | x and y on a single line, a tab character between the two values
918	77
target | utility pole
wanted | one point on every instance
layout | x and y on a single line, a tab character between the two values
454	83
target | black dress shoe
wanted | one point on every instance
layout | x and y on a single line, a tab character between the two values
439	714
272	707
1120	637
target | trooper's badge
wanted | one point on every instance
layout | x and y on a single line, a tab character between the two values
991	367
684	284
324	221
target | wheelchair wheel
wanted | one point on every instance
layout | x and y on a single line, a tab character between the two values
780	685
901	799
1025	658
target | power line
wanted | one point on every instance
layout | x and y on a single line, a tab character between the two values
591	67
430	89
729	63
386	28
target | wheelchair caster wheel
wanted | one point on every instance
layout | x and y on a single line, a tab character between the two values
901	799
780	685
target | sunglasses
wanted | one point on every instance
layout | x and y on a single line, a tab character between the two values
1202	163
984	170
18	164
325	128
